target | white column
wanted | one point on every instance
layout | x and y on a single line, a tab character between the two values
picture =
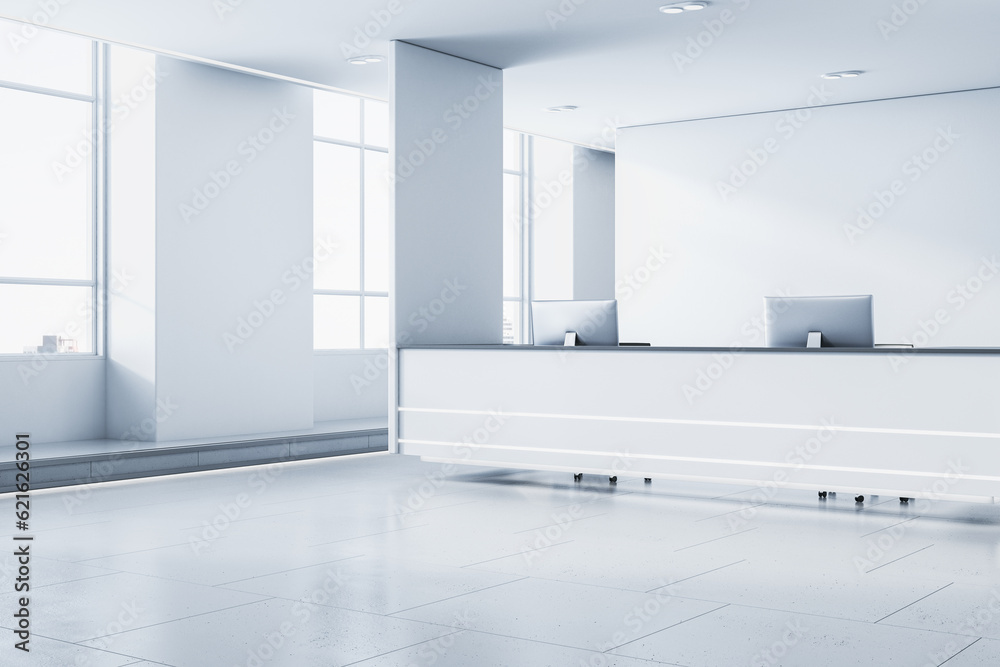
447	204
225	347
593	224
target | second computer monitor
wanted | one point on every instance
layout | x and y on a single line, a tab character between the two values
593	322
842	321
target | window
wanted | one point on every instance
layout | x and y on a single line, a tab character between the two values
50	162
515	276
538	227
351	213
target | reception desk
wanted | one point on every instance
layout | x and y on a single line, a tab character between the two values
914	423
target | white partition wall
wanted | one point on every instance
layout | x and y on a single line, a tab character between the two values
224	243
447	202
593	224
131	348
891	198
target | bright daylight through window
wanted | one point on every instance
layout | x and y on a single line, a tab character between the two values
49	193
351	222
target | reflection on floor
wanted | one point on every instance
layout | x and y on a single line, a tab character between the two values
386	560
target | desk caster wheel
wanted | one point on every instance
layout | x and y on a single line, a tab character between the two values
904	500
613	480
859	499
649	480
822	495
578	477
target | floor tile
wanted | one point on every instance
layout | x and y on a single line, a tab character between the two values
737	635
573	615
46	652
984	653
105	606
376	585
958	608
47	572
463	648
276	633
835	595
222	561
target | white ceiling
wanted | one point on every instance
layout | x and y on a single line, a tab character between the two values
612	58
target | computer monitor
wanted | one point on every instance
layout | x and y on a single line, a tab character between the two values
592	322
819	321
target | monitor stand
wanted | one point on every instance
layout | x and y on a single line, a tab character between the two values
570	340
815	339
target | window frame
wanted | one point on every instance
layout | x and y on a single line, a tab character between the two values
363	146
98	209
525	247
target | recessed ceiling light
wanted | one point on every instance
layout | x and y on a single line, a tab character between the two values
681	7
561	109
364	60
847	74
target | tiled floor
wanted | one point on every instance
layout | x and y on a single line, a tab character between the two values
386	560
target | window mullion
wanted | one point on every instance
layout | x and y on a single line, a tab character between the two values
361	235
100	256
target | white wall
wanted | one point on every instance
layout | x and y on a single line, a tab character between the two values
351	385
233	224
754	205
131	231
447	150
54	399
552	211
593	224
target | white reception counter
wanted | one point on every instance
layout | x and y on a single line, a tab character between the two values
919	423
